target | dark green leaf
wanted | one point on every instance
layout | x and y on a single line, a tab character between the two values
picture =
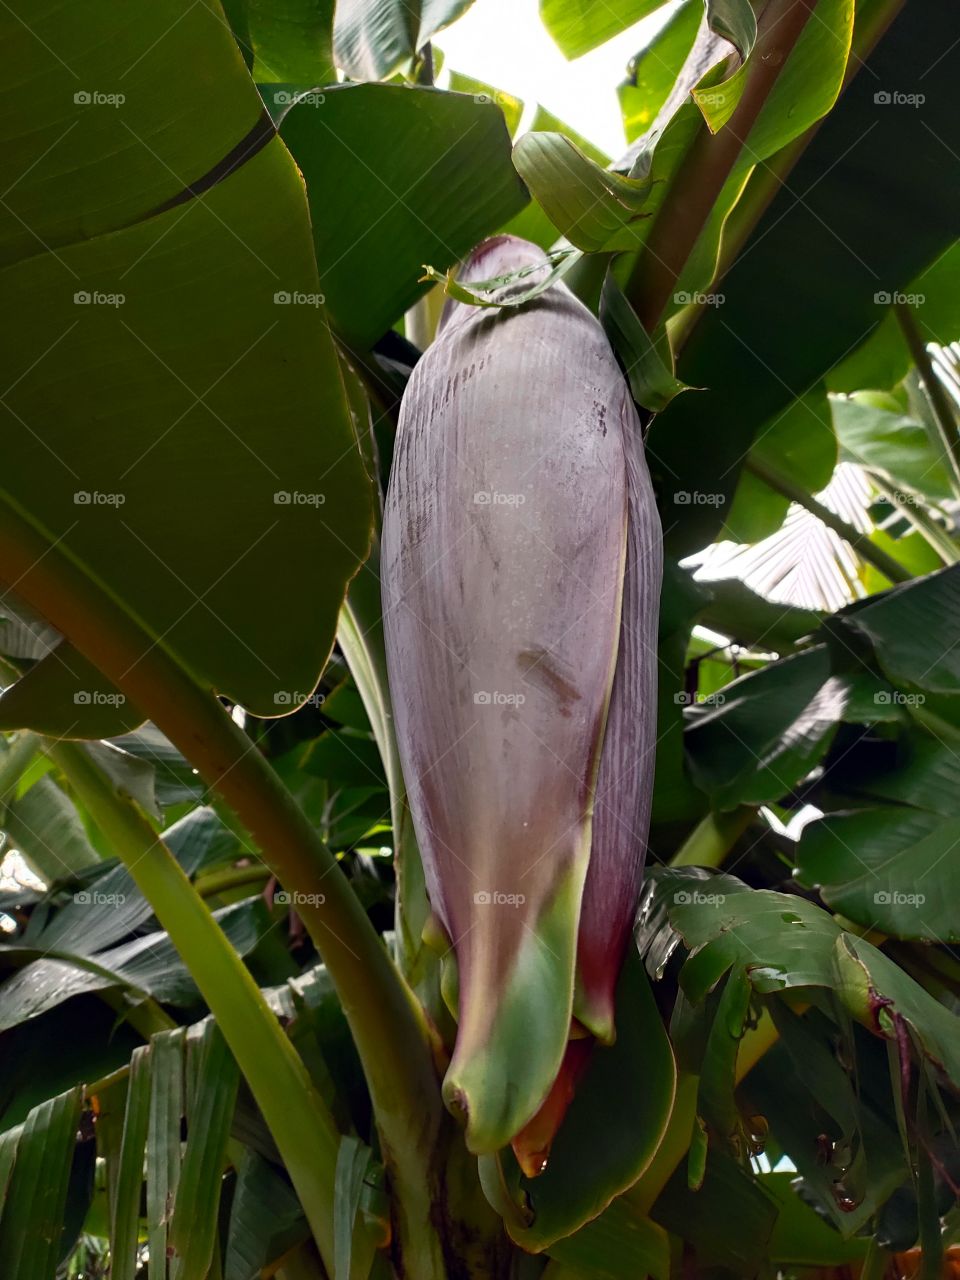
209	1113
178	286
125	1201
891	869
291	40
45	826
754	741
32	1221
388	172
728	1221
265	1210
914	630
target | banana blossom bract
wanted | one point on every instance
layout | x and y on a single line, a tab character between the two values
521	577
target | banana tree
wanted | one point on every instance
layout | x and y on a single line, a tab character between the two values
359	452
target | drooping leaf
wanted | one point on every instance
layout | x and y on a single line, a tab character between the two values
210	1107
125	1200
147	965
32	1221
597	209
786	942
387	169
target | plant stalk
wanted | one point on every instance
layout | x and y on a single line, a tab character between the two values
712	838
776	480
386	1022
298	1118
691	197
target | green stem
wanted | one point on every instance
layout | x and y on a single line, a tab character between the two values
298	1119
388	1026
782	484
362	641
712	838
943	413
692	195
222	880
